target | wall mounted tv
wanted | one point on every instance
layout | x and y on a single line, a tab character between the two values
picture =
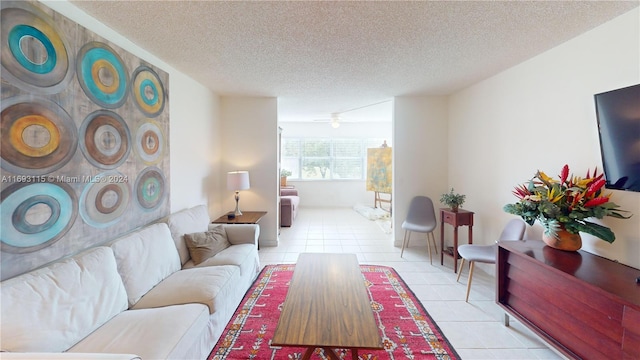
618	114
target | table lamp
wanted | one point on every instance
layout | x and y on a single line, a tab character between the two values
236	181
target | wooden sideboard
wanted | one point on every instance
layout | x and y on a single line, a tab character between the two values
584	305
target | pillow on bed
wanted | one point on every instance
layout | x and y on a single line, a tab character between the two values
203	245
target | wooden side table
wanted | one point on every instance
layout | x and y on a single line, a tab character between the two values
247	217
455	219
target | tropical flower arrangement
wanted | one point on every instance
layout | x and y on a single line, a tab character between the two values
566	203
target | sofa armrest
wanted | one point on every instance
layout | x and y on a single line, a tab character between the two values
288	192
65	356
241	233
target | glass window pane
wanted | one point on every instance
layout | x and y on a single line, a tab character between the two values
348	168
290	147
347	148
327	158
316	168
316	147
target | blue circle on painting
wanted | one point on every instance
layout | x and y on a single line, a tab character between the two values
16	202
148	84
20	32
102	75
150	188
26	227
35	54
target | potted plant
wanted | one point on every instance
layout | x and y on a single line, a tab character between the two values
562	206
284	173
452	200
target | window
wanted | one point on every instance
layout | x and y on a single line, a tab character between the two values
326	158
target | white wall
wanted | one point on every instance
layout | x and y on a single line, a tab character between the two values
420	155
195	146
194	122
540	115
249	131
335	193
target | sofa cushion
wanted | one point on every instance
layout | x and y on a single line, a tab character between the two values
188	221
203	245
205	285
239	255
51	309
163	333
241	233
145	258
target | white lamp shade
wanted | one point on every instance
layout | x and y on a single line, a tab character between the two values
237	180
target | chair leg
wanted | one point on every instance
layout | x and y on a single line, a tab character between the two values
471	263
435	244
460	269
431	239
405	241
429	249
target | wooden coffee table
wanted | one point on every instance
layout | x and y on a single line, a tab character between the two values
327	306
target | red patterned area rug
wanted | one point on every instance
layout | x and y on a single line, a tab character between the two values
407	330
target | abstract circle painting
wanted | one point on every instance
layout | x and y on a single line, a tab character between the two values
105	199
150	188
35	216
38	136
105	139
34	53
150	143
148	91
102	75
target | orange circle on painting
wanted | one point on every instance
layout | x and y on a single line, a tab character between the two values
37	135
150	142
105	76
17	136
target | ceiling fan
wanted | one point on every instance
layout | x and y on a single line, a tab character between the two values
336	118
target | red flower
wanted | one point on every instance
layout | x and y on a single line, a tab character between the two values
564	174
596	201
595	186
521	191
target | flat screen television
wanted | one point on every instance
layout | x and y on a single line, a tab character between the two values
618	115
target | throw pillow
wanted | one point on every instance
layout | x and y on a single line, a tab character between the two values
206	244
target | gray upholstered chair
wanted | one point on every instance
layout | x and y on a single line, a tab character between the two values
420	218
514	230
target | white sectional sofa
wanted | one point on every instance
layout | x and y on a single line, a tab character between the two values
137	297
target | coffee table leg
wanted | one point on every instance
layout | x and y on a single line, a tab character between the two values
354	354
307	354
330	353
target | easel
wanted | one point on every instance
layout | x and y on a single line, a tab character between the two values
378	200
379	175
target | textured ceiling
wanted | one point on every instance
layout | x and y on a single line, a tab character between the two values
324	57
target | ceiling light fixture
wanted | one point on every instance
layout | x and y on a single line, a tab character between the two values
335	121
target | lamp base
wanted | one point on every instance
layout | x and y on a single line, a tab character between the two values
237	212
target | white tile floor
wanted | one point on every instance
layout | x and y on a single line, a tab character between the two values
474	329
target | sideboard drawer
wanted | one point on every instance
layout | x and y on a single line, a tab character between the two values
584	305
